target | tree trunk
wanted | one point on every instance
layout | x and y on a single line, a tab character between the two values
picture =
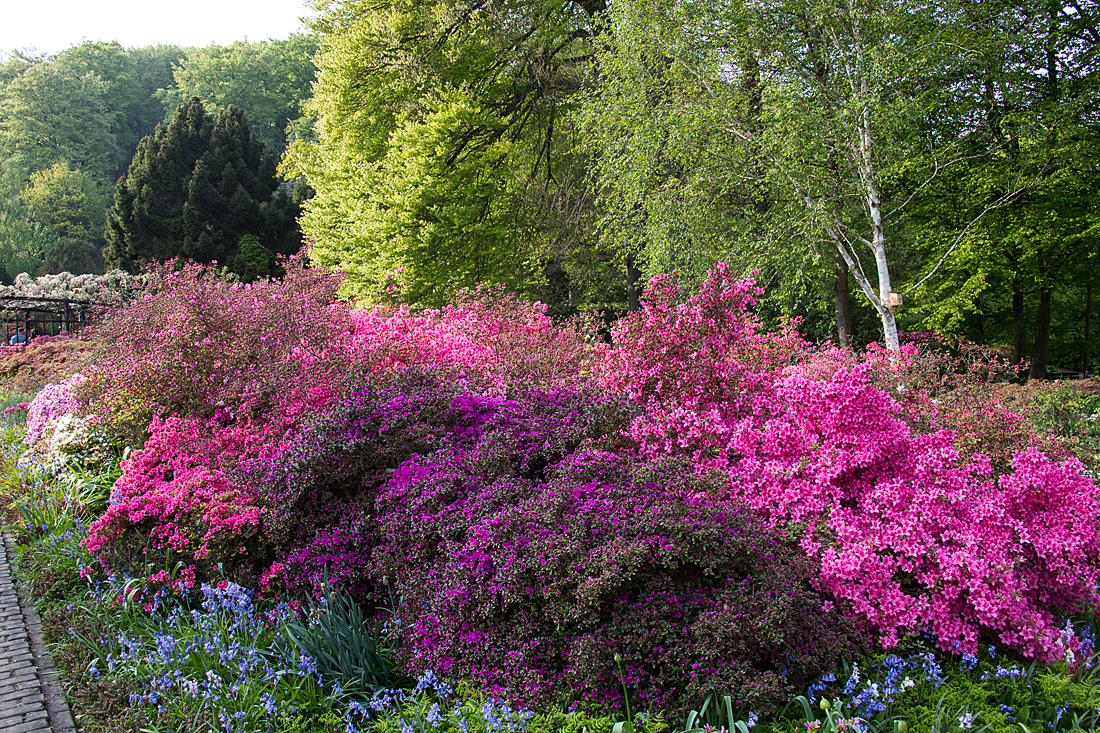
844	330
873	202
633	274
1041	351
1088	328
1019	328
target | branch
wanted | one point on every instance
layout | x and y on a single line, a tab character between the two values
1002	201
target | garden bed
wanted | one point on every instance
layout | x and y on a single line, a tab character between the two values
258	509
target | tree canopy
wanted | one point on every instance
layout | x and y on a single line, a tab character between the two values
444	151
268	80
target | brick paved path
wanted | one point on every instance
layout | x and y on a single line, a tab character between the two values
31	700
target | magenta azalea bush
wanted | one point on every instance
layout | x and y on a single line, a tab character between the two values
322	486
535	586
719	507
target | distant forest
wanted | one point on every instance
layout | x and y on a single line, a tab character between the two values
70	126
881	168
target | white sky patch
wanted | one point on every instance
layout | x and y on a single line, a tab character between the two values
50	26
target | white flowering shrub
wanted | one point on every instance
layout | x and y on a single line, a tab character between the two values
113	287
49	405
59	437
81	442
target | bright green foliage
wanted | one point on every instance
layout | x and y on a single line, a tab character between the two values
66	201
442	148
672	178
679	188
268	80
765	132
68	126
194	188
63	142
1019	105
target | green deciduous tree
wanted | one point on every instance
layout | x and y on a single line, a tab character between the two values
443	146
52	113
76	256
786	119
1023	92
133	77
23	239
67	201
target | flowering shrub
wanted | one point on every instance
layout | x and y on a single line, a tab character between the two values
112	288
697	369
919	537
1071	416
543	503
195	345
486	333
45	360
78	443
320	488
536	589
176	501
50	404
945	386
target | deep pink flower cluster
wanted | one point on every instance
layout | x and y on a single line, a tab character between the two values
322	485
177	500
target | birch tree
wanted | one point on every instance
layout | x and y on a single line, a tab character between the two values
841	93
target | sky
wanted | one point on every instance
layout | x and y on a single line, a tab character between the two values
51	26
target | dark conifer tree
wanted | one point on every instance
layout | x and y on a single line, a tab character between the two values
194	188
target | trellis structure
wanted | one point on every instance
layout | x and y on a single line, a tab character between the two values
43	316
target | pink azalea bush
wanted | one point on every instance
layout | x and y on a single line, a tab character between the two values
918	537
205	376
486	333
247	365
178	501
51	403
